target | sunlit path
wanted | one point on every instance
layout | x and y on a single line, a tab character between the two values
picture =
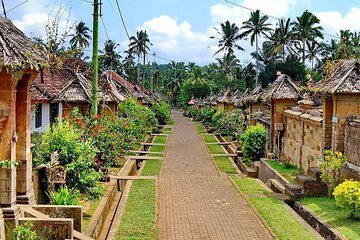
194	201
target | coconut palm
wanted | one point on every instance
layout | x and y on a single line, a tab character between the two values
313	51
109	58
306	28
280	41
80	39
256	26
228	63
139	44
229	33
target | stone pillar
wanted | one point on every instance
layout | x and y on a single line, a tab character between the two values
327	122
8	151
2	227
24	185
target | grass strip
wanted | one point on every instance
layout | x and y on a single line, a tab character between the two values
209	138
287	170
167	129
215	149
152	168
138	220
326	209
160	139
224	164
250	185
200	128
280	220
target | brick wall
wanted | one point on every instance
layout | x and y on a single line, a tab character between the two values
352	142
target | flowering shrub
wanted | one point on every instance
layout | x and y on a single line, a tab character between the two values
215	120
232	124
331	167
112	136
143	118
347	196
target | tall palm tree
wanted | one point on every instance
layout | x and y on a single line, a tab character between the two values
229	33
228	63
139	44
280	41
109	58
256	26
306	28
80	39
313	51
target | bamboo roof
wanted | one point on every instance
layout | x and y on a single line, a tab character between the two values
17	52
282	88
343	78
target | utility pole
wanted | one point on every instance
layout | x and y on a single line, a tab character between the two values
95	59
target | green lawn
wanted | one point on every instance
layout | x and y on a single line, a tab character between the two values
139	219
152	168
280	220
167	129
160	139
215	149
224	164
250	185
274	211
209	138
200	128
326	209
288	171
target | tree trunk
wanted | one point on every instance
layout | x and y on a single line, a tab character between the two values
303	53
257	61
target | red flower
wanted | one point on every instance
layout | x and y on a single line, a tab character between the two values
99	117
64	115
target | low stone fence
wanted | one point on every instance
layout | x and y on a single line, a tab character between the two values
266	172
99	216
57	228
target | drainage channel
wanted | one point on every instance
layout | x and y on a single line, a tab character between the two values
322	228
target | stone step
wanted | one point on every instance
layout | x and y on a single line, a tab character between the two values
276	186
294	191
314	172
302	179
251	172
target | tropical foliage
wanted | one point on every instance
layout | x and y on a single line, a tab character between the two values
347	196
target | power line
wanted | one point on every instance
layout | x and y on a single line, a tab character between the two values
122	19
106	32
252	10
14	7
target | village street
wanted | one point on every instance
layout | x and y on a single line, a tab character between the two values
194	200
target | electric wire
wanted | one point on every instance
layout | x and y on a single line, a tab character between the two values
122	19
276	18
14	7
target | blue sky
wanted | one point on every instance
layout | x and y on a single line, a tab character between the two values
180	29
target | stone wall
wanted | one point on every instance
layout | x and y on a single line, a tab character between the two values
352	142
303	137
55	228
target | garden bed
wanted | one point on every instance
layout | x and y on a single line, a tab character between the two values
288	171
325	209
280	218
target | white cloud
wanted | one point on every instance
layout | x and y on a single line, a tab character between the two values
177	41
333	21
30	20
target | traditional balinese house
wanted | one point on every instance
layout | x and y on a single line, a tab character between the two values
129	89
44	89
283	93
77	93
255	101
223	101
20	63
341	107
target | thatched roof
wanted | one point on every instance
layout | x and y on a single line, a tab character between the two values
225	97
77	90
282	88
344	78
17	52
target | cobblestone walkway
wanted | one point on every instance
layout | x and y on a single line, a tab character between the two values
194	201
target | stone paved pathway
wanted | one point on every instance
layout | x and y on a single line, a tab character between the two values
194	201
